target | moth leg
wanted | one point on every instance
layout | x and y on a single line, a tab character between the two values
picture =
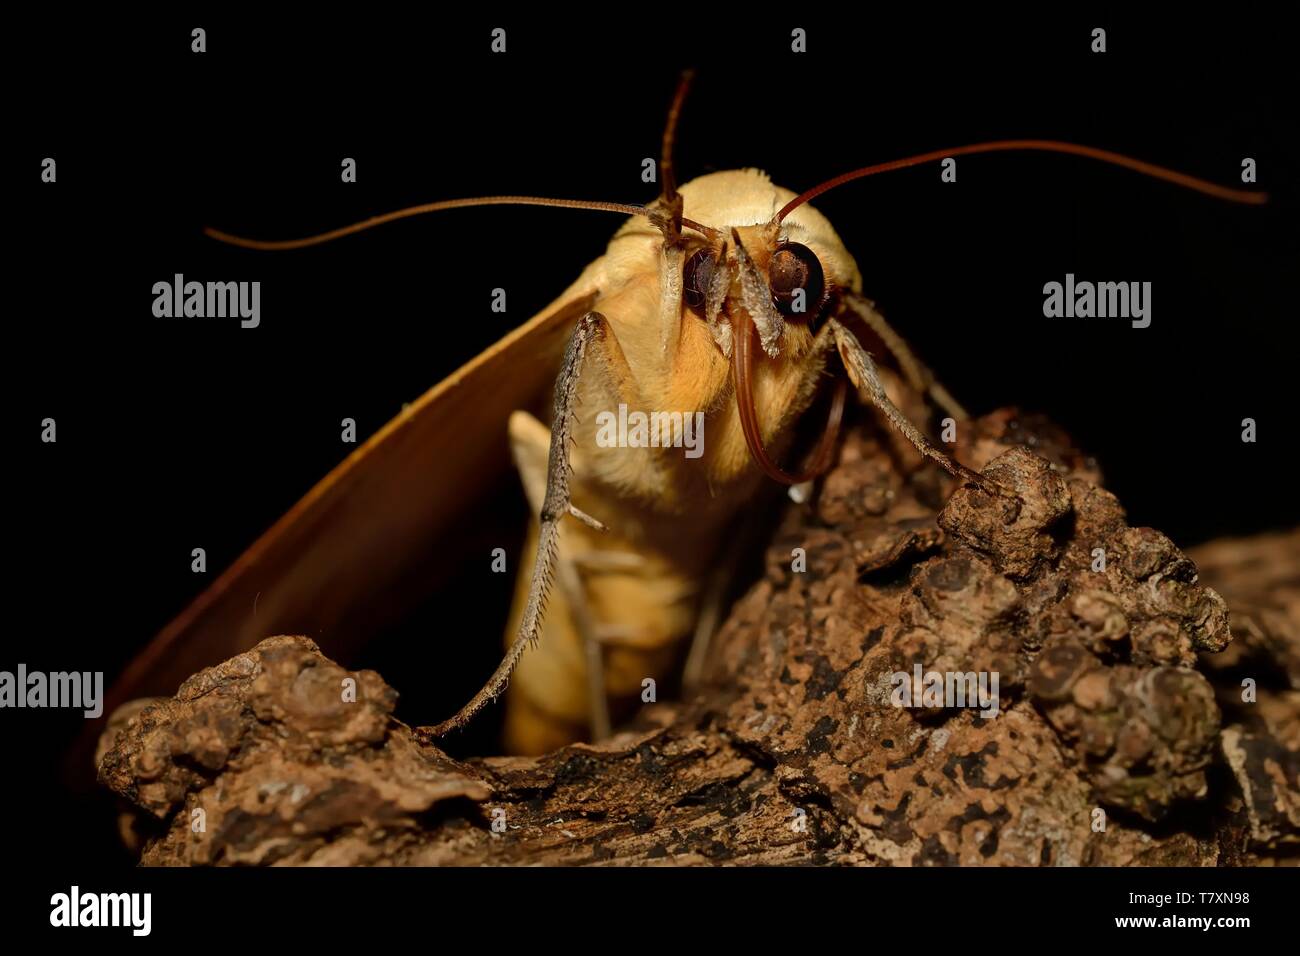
862	371
539	705
713	603
593	650
591	331
918	375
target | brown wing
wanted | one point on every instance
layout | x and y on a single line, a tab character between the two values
350	544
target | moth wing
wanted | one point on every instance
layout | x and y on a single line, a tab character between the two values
352	541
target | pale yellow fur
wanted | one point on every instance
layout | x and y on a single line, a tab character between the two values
664	511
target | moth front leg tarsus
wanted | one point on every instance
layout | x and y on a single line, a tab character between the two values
591	329
862	372
916	372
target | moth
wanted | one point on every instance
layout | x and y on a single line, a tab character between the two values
727	301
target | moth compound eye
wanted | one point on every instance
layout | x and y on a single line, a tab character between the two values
696	277
795	277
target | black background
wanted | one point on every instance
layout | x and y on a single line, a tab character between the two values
175	434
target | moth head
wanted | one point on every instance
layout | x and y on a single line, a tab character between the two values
763	288
781	278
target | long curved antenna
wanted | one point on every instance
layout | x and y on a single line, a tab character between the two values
279	245
409	211
667	173
1040	145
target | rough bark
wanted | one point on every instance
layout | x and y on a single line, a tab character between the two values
1109	745
1260	578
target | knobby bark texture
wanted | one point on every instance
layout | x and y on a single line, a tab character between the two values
1132	725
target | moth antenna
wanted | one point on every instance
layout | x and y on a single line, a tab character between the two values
669	199
699	227
282	244
667	173
1041	145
